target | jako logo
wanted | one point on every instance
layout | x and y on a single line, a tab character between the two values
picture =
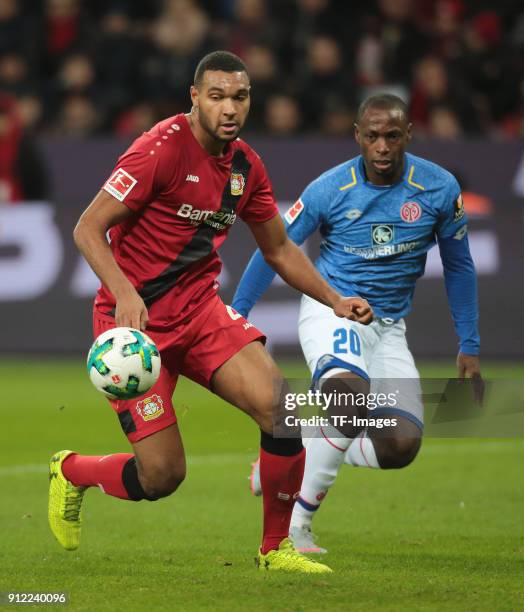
192	178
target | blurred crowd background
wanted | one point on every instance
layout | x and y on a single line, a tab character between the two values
79	79
115	67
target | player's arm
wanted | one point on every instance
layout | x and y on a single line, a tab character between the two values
286	258
303	218
255	281
258	275
104	212
461	287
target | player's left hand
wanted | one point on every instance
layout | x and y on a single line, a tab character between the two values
354	309
468	366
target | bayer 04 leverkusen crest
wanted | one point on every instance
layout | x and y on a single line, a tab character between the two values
150	408
238	182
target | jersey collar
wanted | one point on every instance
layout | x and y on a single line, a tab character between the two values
361	173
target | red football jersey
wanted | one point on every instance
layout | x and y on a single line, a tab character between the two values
185	201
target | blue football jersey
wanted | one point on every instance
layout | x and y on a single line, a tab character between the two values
375	239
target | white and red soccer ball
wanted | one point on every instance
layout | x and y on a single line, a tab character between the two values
123	363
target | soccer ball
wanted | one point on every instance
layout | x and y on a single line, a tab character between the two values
123	363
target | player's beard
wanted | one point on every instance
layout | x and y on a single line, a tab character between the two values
207	127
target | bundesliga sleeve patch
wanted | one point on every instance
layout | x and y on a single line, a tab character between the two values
120	184
294	211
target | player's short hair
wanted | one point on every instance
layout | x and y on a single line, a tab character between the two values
383	102
218	60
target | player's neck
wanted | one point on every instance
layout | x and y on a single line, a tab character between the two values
207	142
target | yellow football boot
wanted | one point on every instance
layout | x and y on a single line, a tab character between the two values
288	559
65	502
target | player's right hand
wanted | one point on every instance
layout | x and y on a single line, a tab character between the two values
355	309
131	311
468	366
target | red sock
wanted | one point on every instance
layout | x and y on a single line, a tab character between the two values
98	471
281	478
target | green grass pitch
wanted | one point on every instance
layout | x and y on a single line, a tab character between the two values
444	534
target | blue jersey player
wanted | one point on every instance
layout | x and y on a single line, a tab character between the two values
378	215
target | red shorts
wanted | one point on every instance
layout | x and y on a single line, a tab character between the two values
195	348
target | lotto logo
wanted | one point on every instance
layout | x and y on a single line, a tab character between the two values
353	214
294	211
120	184
323	361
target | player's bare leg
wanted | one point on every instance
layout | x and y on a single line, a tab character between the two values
155	470
251	381
161	463
390	448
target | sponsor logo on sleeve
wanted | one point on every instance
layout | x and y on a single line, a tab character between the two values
150	408
294	211
458	209
238	182
120	184
461	233
410	212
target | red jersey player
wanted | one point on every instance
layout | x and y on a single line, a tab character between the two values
168	206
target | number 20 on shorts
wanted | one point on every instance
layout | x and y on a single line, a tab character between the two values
344	339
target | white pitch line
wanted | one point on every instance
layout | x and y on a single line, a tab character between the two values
221	458
490	447
28	468
216	459
480	448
